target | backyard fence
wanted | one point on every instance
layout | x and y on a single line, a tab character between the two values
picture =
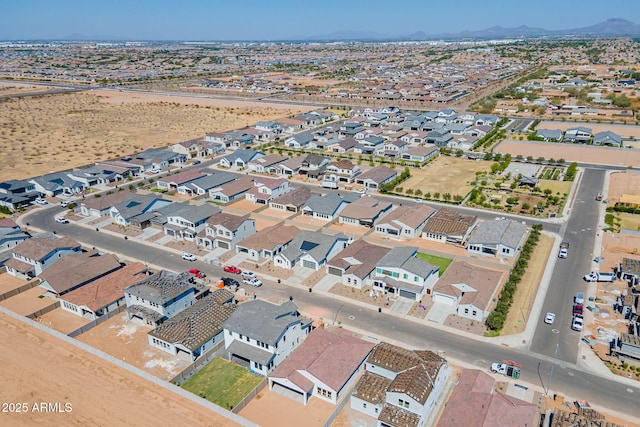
96	322
236	409
198	364
16	291
44	310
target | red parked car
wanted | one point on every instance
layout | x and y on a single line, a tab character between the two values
232	269
197	273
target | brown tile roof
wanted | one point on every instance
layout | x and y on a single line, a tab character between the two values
269	237
473	403
330	356
378	174
410	216
226	220
77	269
449	222
37	248
365	208
183	177
342	164
397	417
242	184
372	388
106	201
483	280
297	197
105	290
7	223
359	258
421	150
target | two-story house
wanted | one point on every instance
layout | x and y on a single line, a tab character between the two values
260	335
356	263
188	221
224	230
137	210
267	242
266	189
33	256
341	171
401	273
15	193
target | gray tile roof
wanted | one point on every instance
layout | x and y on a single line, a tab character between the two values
327	204
135	204
212	181
403	257
161	287
314	243
264	321
506	232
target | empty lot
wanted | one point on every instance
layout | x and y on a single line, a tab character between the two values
446	175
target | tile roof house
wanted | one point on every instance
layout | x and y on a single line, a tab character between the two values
420	154
376	176
498	237
292	201
191	148
549	134
268	242
328	206
201	186
356	263
400	387
314	165
341	171
172	182
232	190
299	140
310	249
469	289
76	270
225	230
448	226
578	134
474	402
404	221
240	158
103	295
15	193
187	221
265	189
137	210
289	167
100	206
260	335
266	164
342	146
57	183
607	138
197	328
10	237
324	365
161	296
33	256
365	211
401	273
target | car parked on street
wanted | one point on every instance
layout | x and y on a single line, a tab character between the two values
41	201
252	282
62	220
197	273
228	281
549	318
248	275
189	257
232	269
577	323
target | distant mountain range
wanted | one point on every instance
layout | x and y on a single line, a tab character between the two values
610	27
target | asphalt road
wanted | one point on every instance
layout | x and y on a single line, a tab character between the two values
567	378
580	231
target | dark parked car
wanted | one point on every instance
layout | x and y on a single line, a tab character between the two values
228	281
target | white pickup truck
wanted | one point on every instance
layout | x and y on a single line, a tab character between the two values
508	368
595	276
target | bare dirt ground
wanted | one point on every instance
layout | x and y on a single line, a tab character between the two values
41	134
27	302
625	131
127	340
62	321
572	153
528	288
14	88
39	368
349	417
445	175
269	408
9	283
620	183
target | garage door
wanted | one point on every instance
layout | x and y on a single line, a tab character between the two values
245	250
444	299
223	245
407	294
335	271
309	264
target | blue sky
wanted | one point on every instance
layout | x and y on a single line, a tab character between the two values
288	19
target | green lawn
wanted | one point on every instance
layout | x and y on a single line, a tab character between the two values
441	263
222	382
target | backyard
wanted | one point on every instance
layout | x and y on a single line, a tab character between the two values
440	262
223	383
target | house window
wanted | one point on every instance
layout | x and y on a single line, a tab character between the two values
324	393
403	403
466	311
474	312
364	405
405	276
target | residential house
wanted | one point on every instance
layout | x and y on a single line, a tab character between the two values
487	120
289	167
607	138
356	263
349	129
172	182
188	220
420	154
196	329
101	206
268	242
103	295
266	164
342	146
310	249
291	202
469	289
31	257
456	128
404	221
369	145
549	135
232	190
440	138
478	131
368	132
475	401
240	158
415	137
498	237
57	183
260	335
629	270
289	125
579	134
152	158
328	206
341	171
448	226
202	186
190	148
161	296
314	165
400	387
323	366
376	176
76	270
392	149
364	211
299	140
269	126
266	189
137	210
322	138
401	273
224	230
462	142
17	193
10	236
239	139
93	175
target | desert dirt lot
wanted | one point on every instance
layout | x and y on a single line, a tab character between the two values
620	183
13	88
40	134
37	367
571	153
625	131
268	409
446	175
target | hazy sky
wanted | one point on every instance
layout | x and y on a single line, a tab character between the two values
289	19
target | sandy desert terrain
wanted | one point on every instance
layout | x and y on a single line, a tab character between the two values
37	368
41	134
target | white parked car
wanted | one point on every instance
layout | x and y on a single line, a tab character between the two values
577	323
252	282
64	204
42	201
549	318
248	274
62	220
189	257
